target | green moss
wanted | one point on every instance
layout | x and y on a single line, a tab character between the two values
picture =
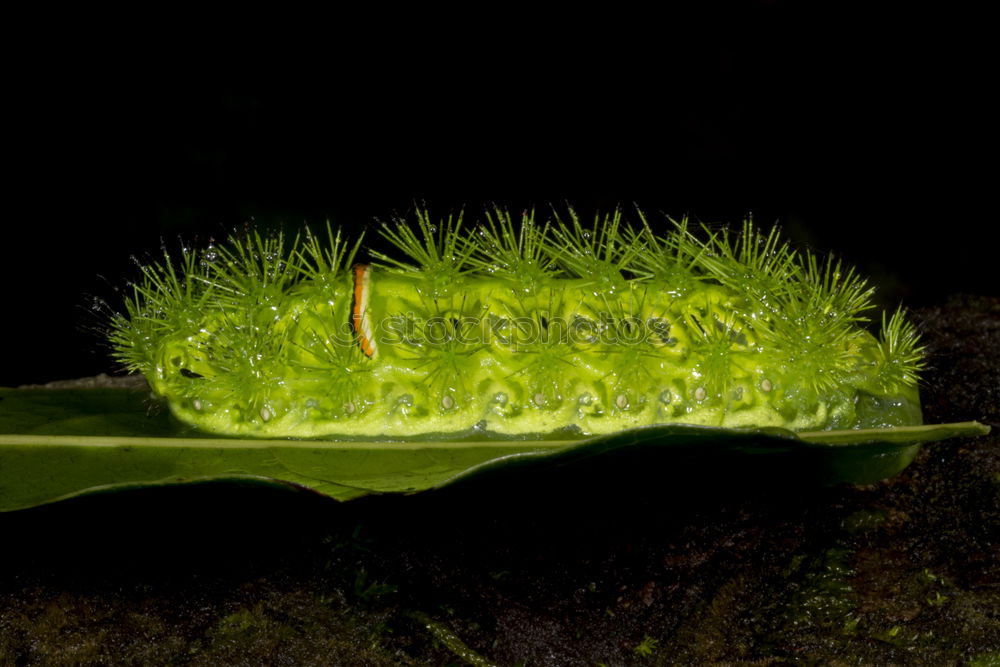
986	660
863	521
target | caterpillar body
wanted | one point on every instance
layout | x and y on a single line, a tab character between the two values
515	328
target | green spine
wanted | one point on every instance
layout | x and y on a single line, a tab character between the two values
516	328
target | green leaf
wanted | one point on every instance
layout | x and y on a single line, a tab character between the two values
56	444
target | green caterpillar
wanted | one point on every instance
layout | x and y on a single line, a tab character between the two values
515	327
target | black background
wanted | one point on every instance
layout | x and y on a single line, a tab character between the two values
872	136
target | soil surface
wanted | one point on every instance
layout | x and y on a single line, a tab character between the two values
709	566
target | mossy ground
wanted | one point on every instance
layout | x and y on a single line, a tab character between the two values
684	568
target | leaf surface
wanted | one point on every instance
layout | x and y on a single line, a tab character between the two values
60	443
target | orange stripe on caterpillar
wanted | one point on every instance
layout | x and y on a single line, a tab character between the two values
359	316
